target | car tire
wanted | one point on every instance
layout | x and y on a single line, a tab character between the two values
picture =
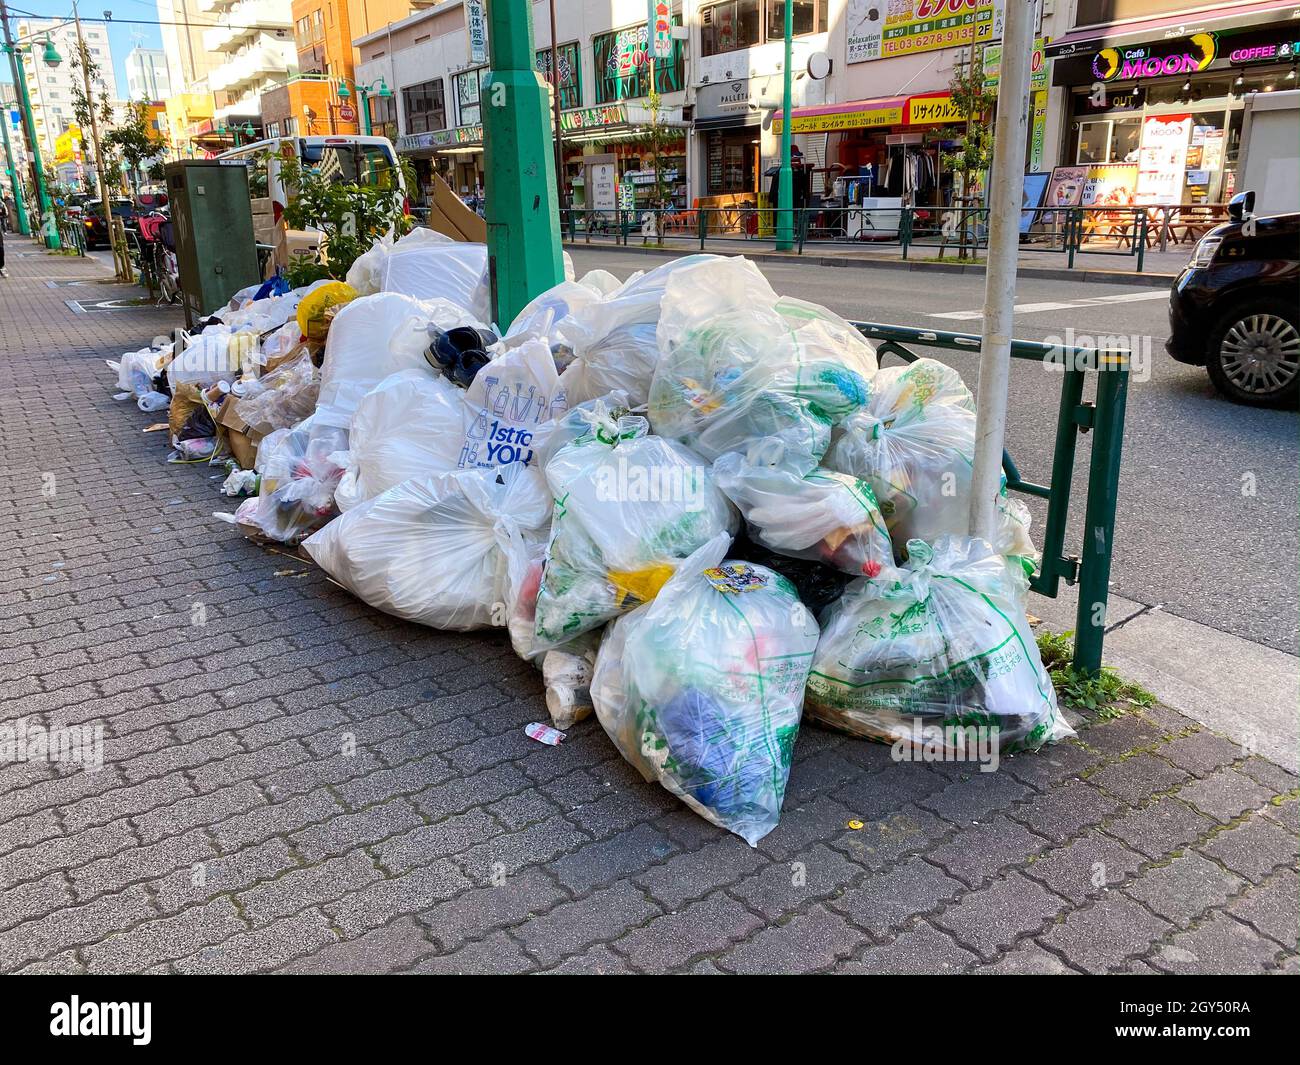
1253	355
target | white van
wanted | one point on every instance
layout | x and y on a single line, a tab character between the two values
346	159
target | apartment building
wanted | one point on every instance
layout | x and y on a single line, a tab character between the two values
252	43
51	88
147	77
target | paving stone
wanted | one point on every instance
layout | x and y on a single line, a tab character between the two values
817	873
879	843
1027	959
424	842
394	946
571	927
1285	812
1165	826
603	862
1217	946
991	919
671	941
263	950
1272	776
497	954
808	942
165	938
1253	849
820	821
345	831
1122	735
692	876
1065	811
979	852
1100	937
220	876
977	797
299	888
1086	868
1185	888
598	961
140	863
73	926
882	902
1137	778
1272	908
923	950
33	899
485	907
1201	753
381	901
1224	795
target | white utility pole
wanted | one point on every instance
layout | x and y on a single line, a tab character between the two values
1005	198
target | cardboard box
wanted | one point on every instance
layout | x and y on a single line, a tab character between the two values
239	438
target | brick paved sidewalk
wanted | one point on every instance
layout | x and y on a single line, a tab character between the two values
304	784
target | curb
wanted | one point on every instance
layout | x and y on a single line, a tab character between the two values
1045	273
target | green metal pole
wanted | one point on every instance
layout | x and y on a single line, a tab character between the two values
49	228
1099	514
363	101
523	233
785	176
11	168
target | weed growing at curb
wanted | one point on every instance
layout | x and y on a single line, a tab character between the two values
1106	694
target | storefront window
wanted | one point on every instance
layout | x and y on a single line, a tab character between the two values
383	116
424	106
730	162
623	65
469	91
569	58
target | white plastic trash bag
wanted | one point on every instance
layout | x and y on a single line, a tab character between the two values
702	688
433	549
628	508
915	445
545	311
452	271
213	355
366	274
511	399
409	425
943	642
296	493
735	371
372	338
817	514
136	370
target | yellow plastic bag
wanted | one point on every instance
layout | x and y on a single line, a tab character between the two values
311	311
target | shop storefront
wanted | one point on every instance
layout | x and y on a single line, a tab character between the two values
887	148
610	156
456	155
1155	117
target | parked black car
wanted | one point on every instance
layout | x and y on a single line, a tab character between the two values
93	227
1235	308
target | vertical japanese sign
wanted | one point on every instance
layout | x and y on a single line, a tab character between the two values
659	23
476	26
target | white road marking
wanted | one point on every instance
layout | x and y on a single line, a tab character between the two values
1036	308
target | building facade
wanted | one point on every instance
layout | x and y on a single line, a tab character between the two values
181	24
147	77
51	89
252	44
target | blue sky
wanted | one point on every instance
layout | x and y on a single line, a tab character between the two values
122	37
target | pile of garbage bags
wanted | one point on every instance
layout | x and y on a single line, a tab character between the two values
699	507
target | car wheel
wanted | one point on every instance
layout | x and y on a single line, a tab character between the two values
1254	353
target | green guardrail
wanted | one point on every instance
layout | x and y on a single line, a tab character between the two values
1103	416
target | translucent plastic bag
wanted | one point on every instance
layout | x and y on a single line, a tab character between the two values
819	515
296	494
510	400
409	425
216	354
372	338
735	370
282	398
366	274
915	446
544	312
453	271
942	642
432	549
613	339
702	688
136	370
628	508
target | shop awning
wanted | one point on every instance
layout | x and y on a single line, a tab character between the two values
460	138
923	109
1140	30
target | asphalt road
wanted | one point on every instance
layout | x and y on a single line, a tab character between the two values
1207	525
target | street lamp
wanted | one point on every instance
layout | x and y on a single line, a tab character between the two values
363	91
49	228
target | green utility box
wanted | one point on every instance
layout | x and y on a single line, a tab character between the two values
212	218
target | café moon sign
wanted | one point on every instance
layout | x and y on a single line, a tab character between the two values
1193	54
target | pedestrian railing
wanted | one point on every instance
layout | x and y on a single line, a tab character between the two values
948	232
1103	416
